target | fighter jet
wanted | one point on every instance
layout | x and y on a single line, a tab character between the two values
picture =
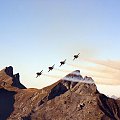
39	74
76	56
62	63
51	68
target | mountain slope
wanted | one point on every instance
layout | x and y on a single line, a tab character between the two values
63	100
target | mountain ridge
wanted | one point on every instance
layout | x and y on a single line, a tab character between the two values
63	100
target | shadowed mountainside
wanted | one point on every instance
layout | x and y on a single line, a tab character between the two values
6	103
63	100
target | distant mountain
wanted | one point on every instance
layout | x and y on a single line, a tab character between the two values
78	99
114	97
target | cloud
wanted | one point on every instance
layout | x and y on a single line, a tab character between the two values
62	70
52	76
114	64
104	71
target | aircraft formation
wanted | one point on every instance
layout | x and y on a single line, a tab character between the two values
61	64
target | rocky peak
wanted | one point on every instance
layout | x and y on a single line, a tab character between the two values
68	82
9	71
7	78
88	79
72	79
71	82
74	76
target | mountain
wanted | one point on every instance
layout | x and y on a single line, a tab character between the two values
114	97
78	99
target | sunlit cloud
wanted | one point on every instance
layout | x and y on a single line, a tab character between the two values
103	71
62	70
114	64
52	76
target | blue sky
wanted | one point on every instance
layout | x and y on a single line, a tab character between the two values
35	34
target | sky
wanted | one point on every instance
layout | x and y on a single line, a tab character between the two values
37	34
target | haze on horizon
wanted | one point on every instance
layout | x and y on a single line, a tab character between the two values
37	34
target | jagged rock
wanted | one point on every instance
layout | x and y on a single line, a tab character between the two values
9	71
63	100
89	79
7	78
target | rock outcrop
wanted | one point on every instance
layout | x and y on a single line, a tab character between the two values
78	99
7	78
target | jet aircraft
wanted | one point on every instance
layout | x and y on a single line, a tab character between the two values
76	56
51	68
39	74
62	63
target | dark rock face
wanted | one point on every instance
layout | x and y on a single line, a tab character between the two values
9	71
109	107
6	103
57	91
16	82
63	100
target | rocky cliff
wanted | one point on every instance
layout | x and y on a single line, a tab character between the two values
78	99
